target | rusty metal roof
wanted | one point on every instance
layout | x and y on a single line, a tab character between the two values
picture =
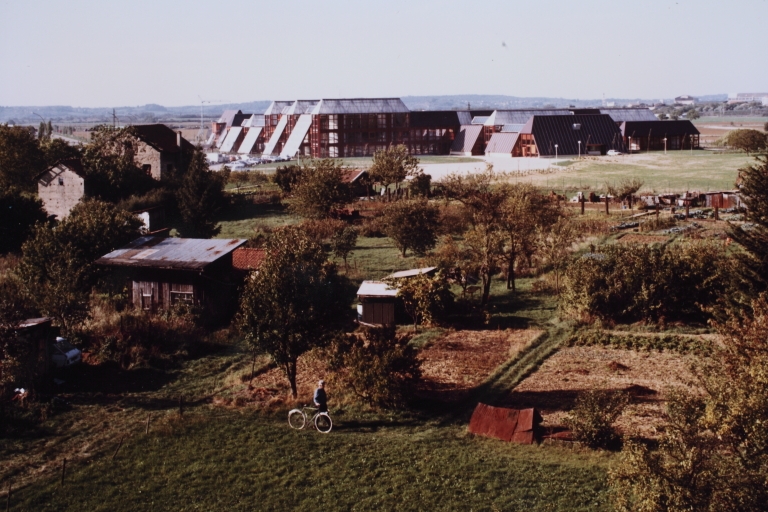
410	273
170	253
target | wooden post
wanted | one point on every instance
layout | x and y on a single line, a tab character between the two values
63	470
582	205
148	418
717	213
687	208
657	210
118	447
606	205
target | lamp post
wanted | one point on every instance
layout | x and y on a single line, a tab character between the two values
665	145
630	145
579	150
555	153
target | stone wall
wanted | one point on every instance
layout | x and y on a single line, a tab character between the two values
60	189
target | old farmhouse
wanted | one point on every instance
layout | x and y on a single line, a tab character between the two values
61	187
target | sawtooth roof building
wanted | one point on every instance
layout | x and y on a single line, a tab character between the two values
331	128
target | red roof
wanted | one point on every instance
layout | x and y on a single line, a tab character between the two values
245	258
352	175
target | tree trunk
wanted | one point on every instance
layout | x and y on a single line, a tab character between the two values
290	370
511	271
486	288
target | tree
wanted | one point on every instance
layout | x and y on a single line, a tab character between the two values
593	417
18	215
421	185
378	365
393	165
427	299
18	365
626	189
287	177
57	267
455	261
20	158
753	261
411	225
713	454
749	141
201	198
294	302
343	242
57	150
524	215
485	198
110	170
555	245
320	189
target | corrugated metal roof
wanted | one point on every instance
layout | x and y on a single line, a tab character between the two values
629	114
297	135
277	107
171	253
231	139
466	138
593	129
301	107
501	143
376	289
521	116
410	273
362	106
658	128
246	147
279	129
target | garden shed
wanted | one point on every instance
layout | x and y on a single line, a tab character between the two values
377	303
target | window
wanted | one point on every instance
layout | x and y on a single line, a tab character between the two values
333	122
182	298
61	180
147	168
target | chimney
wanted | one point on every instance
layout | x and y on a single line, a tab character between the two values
178	139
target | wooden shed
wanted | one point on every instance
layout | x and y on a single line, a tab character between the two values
169	271
377	303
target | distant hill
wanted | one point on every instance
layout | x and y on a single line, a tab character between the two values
151	113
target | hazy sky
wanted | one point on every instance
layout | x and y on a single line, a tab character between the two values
104	53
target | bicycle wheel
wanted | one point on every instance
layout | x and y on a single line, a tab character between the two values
323	422
297	419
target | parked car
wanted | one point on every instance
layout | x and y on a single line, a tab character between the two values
268	159
63	354
613	152
237	166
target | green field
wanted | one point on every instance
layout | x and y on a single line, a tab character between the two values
222	460
365	161
677	171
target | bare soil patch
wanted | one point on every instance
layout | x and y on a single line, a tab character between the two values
464	359
648	377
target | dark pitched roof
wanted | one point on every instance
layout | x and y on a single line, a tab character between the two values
658	128
566	131
74	165
445	118
352	175
170	253
160	137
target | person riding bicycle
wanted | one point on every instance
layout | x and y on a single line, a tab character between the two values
320	398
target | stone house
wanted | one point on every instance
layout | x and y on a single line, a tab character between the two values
61	187
159	149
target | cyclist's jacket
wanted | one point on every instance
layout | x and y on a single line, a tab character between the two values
320	397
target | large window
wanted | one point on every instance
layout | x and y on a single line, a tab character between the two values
182	298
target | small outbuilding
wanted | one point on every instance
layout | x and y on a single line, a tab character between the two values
165	272
61	187
377	303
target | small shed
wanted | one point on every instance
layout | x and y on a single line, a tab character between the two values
39	333
61	187
169	271
405	274
377	303
513	425
358	180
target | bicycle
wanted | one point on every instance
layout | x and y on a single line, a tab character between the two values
297	419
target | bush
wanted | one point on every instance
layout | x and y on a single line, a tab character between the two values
378	365
641	283
593	416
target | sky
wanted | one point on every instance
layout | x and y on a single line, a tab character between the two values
96	53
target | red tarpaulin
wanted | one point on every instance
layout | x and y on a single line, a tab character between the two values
515	425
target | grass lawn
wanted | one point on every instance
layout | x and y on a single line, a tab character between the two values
366	161
242	221
223	460
677	171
